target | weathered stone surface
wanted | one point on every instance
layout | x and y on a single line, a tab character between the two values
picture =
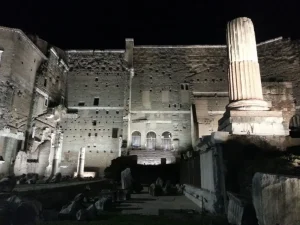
69	211
240	211
276	199
103	204
126	179
245	89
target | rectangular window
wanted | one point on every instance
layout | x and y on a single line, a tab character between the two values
94	122
115	133
81	104
96	101
45	82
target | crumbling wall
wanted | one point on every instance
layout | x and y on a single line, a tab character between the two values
20	60
280	95
96	95
8	151
52	78
279	61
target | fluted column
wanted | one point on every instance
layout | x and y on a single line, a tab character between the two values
245	89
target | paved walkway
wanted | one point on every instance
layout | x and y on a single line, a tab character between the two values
145	204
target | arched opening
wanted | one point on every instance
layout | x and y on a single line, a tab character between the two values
151	141
136	140
166	140
295	126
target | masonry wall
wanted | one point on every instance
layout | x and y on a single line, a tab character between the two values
211	107
25	63
52	79
98	126
6	92
162	87
279	61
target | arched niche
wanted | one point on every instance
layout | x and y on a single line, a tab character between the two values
151	140
136	140
166	141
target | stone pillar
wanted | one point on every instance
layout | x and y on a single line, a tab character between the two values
81	158
129	109
245	89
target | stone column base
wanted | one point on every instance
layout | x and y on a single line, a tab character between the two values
249	105
252	123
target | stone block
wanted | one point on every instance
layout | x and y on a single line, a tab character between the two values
276	199
219	137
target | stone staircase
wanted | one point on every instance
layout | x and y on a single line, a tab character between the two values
153	157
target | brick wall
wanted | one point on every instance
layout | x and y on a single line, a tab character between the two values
93	75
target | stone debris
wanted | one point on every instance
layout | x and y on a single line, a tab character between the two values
69	211
57	178
240	210
126	179
103	204
276	199
18	211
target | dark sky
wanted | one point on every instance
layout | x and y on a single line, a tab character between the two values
104	24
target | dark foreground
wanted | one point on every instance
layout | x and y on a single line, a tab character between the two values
148	220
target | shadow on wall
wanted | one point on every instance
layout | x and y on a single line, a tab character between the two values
246	155
92	169
294	126
145	174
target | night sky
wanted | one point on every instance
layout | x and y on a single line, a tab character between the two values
104	24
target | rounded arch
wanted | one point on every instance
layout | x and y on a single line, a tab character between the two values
166	140
151	140
136	133
151	134
166	134
136	139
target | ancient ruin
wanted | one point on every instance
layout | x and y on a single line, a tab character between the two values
73	113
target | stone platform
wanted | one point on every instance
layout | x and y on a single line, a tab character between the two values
252	123
153	157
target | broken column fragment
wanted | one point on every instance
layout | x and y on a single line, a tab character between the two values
245	89
247	113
